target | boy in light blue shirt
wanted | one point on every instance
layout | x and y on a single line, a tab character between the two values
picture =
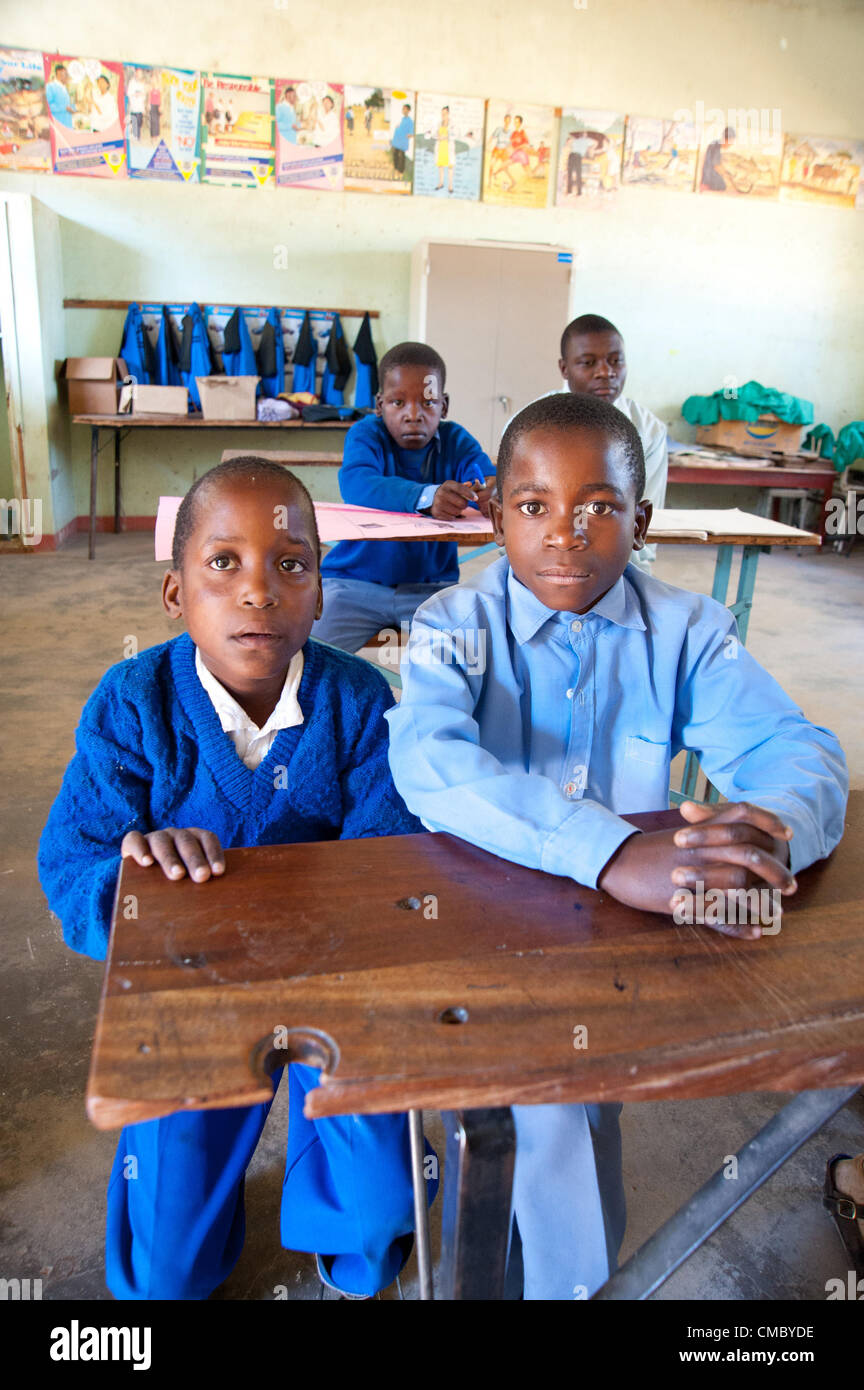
545	699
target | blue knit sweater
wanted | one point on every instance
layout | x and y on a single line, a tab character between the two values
151	753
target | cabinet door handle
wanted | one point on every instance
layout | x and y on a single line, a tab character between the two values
505	401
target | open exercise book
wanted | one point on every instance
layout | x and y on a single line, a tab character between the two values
337	521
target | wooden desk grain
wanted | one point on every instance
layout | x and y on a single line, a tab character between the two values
315	953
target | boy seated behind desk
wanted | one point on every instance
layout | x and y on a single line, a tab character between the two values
240	731
406	458
589	677
593	363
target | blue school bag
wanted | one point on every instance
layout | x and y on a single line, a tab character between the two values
168	353
238	354
270	355
136	348
305	357
195	356
366	367
337	365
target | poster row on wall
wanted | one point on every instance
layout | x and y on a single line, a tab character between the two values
94	117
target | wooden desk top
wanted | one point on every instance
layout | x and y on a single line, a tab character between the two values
773	470
330	952
191	422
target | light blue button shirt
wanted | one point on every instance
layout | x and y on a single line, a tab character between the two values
529	732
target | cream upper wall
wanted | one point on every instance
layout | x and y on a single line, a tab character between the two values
702	287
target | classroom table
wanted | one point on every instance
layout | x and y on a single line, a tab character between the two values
120	424
731	469
424	972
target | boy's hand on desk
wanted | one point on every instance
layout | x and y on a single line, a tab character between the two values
451	499
723	848
197	852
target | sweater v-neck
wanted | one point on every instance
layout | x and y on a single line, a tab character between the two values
242	785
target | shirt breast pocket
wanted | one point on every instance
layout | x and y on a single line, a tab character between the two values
645	750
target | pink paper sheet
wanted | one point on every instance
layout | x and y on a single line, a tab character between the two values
338	521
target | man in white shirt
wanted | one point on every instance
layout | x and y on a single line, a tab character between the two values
592	363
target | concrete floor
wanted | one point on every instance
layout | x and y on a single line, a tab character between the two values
65	621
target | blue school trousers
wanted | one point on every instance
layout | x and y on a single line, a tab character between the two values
355	609
176	1219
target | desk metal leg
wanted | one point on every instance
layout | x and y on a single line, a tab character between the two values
722	570
675	1242
719	590
94	473
116	481
421	1204
481	1151
746	586
741	609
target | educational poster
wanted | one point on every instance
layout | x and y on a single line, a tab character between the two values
739	163
162	123
819	169
590	145
448	146
660	154
85	105
25	137
236	130
379	139
309	135
518	149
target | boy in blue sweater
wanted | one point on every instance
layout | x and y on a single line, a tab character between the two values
406	458
239	732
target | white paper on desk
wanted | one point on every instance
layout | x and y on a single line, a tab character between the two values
339	521
730	521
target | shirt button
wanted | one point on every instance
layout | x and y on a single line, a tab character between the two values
570	693
575	627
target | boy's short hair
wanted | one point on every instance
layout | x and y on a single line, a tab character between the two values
412	355
587	323
250	466
566	411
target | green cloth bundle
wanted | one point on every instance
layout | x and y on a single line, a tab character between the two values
748	403
850	445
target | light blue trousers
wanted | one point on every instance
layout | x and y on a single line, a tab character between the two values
354	610
176	1221
568	1197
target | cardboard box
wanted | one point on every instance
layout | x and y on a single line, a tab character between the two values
228	397
137	399
93	384
763	436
